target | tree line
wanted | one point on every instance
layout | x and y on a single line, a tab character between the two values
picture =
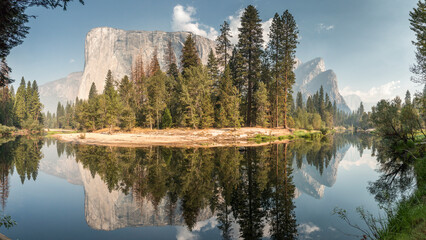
23	109
241	85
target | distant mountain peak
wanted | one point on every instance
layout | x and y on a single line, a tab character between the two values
310	76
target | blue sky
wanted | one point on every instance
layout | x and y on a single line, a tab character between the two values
366	42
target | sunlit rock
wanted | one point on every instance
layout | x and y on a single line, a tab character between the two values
115	49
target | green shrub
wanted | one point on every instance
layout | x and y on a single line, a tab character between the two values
6	131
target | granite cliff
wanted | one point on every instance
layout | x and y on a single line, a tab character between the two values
115	49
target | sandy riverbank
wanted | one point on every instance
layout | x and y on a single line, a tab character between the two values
174	137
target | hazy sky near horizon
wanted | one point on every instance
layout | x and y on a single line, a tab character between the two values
366	42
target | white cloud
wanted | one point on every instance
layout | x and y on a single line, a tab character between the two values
386	91
353	159
183	21
72	60
235	23
266	25
321	27
305	229
184	234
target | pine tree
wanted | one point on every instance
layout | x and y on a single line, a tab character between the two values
156	86
407	98
127	92
276	55
170	60
166	120
262	103
189	56
223	44
227	111
299	101
196	109
35	103
112	102
418	22
290	41
236	65
93	92
213	68
20	108
250	46
28	102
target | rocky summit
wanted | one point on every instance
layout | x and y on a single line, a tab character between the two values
310	76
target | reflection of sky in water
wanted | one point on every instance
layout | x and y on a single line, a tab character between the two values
349	191
53	208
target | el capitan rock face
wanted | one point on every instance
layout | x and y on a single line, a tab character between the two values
310	76
115	49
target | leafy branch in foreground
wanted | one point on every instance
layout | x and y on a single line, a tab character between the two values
374	225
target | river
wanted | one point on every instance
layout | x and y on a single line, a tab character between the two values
56	190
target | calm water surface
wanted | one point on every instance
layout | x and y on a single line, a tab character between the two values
55	190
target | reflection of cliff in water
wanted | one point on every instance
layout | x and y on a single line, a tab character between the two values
309	180
105	210
169	186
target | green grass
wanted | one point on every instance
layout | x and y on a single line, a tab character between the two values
49	133
260	138
299	134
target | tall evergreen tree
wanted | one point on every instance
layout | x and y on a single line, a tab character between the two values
156	94
250	46
213	68
170	59
276	55
299	101
223	44
262	103
227	111
236	65
36	106
196	108
20	107
112	102
93	92
189	57
418	23
290	41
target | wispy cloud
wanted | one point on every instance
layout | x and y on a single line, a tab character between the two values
72	60
184	234
349	163
386	91
183	20
321	27
235	23
306	229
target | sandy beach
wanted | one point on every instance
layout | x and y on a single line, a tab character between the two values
174	137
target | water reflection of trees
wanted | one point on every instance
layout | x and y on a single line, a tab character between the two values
397	174
252	186
23	154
